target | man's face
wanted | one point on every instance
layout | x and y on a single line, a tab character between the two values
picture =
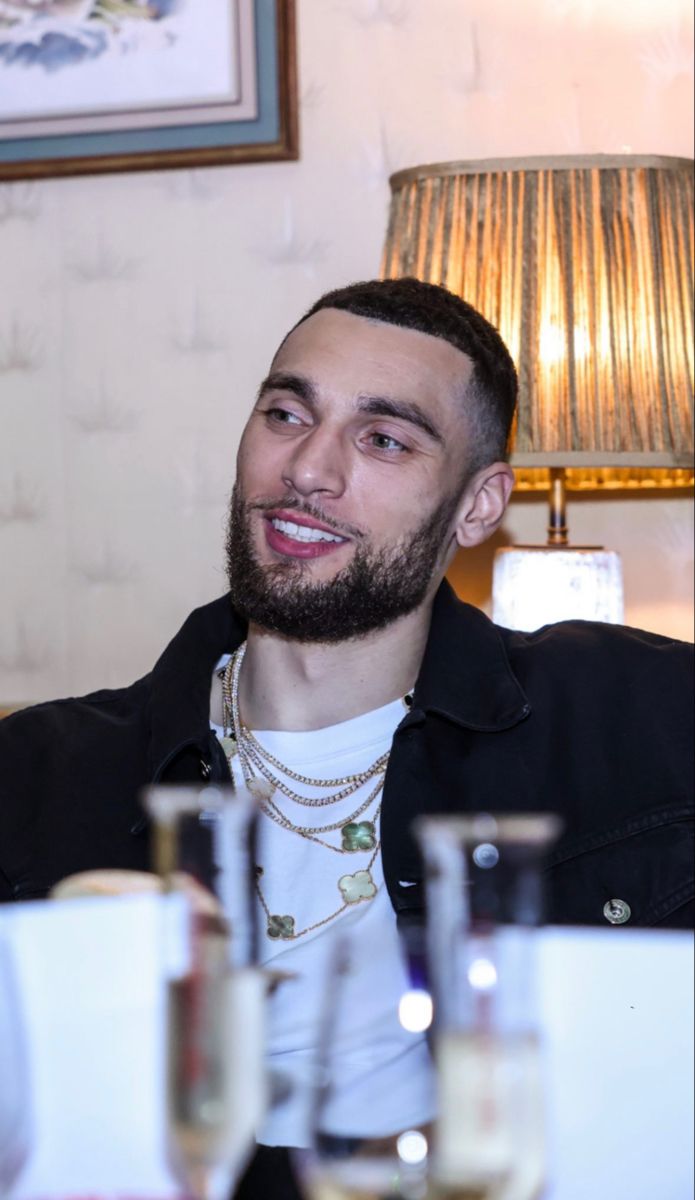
348	478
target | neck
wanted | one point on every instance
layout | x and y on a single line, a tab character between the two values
300	686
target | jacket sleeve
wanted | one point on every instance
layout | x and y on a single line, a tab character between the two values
70	778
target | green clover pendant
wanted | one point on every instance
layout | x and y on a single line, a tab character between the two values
280	927
359	835
359	886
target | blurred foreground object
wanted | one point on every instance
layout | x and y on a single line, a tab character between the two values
14	1077
369	1131
111	882
484	901
215	996
615	1006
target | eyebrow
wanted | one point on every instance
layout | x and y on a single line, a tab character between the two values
403	410
284	381
377	406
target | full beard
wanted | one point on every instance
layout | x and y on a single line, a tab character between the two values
372	591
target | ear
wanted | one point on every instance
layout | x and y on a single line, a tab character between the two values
483	504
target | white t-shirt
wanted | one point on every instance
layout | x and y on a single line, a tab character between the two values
381	1064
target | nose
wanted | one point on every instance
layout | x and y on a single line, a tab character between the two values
316	465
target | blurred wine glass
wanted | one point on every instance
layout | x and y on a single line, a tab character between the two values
484	902
215	1003
373	1084
14	1079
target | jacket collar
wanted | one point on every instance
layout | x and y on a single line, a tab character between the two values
465	674
181	679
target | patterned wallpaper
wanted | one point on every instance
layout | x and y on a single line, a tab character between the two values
138	312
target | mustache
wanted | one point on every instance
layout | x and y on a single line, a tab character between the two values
309	510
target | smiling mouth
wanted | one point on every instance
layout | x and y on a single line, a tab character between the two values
304	533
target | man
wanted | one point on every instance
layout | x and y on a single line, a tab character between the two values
348	679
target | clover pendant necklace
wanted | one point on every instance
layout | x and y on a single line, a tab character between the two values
353	889
357	835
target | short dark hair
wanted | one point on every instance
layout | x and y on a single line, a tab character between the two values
491	393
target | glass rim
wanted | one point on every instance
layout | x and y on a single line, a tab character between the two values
530	829
169	801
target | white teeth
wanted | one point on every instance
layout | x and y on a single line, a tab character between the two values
303	533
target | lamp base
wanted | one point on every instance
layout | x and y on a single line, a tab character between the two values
538	585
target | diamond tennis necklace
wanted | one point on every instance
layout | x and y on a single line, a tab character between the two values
356	836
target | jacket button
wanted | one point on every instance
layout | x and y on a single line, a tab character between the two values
205	769
617	912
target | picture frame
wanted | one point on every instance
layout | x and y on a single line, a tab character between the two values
141	85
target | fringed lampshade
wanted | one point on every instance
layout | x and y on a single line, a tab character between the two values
585	265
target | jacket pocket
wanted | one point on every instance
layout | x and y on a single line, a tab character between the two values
637	873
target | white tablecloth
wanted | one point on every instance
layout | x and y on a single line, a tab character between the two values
617	1008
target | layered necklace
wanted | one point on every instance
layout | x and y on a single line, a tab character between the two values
266	775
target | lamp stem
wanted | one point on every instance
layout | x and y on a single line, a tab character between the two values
557	520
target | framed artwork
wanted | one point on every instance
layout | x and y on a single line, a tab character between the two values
88	86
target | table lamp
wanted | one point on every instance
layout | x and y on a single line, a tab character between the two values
585	265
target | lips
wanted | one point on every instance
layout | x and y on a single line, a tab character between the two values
299	535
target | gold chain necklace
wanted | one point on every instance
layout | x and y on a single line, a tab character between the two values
353	888
256	757
353	832
259	755
356	836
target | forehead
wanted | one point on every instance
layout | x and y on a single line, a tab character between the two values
345	354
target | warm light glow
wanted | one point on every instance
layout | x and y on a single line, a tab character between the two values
552	344
584	253
535	586
415	1010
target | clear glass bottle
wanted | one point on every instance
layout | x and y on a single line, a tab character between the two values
484	878
203	846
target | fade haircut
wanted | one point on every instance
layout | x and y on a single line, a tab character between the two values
489	399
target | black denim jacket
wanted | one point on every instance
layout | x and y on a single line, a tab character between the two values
591	721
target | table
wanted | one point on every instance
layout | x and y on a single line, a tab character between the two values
616	1004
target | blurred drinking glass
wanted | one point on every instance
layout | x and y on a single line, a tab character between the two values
484	900
215	1034
14	1079
374	1085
